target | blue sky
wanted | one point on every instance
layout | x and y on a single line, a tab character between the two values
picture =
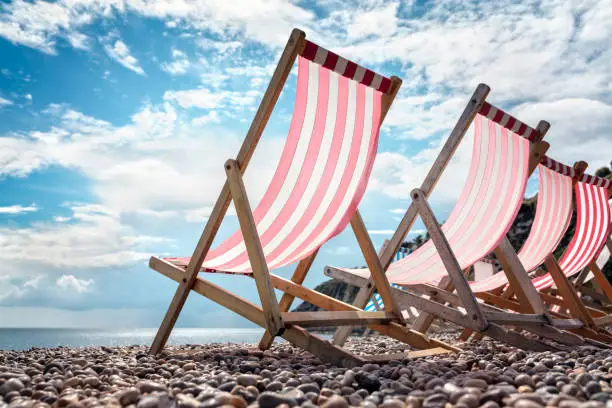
116	117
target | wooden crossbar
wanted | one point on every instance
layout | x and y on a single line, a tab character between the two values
339	318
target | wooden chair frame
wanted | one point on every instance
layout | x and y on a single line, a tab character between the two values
479	317
274	316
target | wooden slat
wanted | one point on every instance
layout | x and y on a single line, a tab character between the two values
601	280
603	321
571	299
515	318
425	320
286	300
325	302
338	318
448	259
409	355
295	42
518	278
294	334
257	258
376	270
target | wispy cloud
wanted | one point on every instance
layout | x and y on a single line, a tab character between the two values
18	209
120	52
5	102
73	284
179	64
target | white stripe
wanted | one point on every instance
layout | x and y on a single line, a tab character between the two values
320	56
517	125
292	173
341	65
504	120
428	250
337	176
359	73
357	174
580	228
492	112
376	81
317	174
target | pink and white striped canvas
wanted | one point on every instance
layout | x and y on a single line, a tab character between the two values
592	229
553	215
484	212
322	174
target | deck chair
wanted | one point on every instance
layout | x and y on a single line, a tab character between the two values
600	294
553	215
592	232
314	193
505	153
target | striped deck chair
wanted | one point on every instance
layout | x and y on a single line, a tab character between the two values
314	193
506	151
593	218
553	215
600	295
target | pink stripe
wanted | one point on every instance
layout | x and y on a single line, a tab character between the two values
330	168
305	173
293	137
344	182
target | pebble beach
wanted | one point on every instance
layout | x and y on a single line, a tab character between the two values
486	374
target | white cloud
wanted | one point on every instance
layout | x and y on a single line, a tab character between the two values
179	64
18	209
59	218
34	282
120	52
73	284
379	22
5	102
398	211
39	24
96	239
195	98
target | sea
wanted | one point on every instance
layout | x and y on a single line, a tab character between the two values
24	339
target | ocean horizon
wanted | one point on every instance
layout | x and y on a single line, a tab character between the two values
27	338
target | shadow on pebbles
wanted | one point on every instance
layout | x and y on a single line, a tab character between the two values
486	374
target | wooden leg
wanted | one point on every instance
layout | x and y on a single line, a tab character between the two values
601	280
378	274
286	300
448	258
274	321
295	42
424	321
568	292
518	278
294	334
361	300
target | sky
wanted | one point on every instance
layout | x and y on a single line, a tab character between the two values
116	117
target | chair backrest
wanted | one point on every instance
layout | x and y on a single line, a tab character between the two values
592	228
553	213
324	167
552	218
376	302
488	203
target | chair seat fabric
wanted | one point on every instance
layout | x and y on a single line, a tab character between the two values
322	173
484	211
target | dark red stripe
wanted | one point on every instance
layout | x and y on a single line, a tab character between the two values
484	110
367	77
331	60
522	129
349	72
499	115
510	123
310	50
385	84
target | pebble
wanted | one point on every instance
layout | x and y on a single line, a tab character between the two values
486	374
